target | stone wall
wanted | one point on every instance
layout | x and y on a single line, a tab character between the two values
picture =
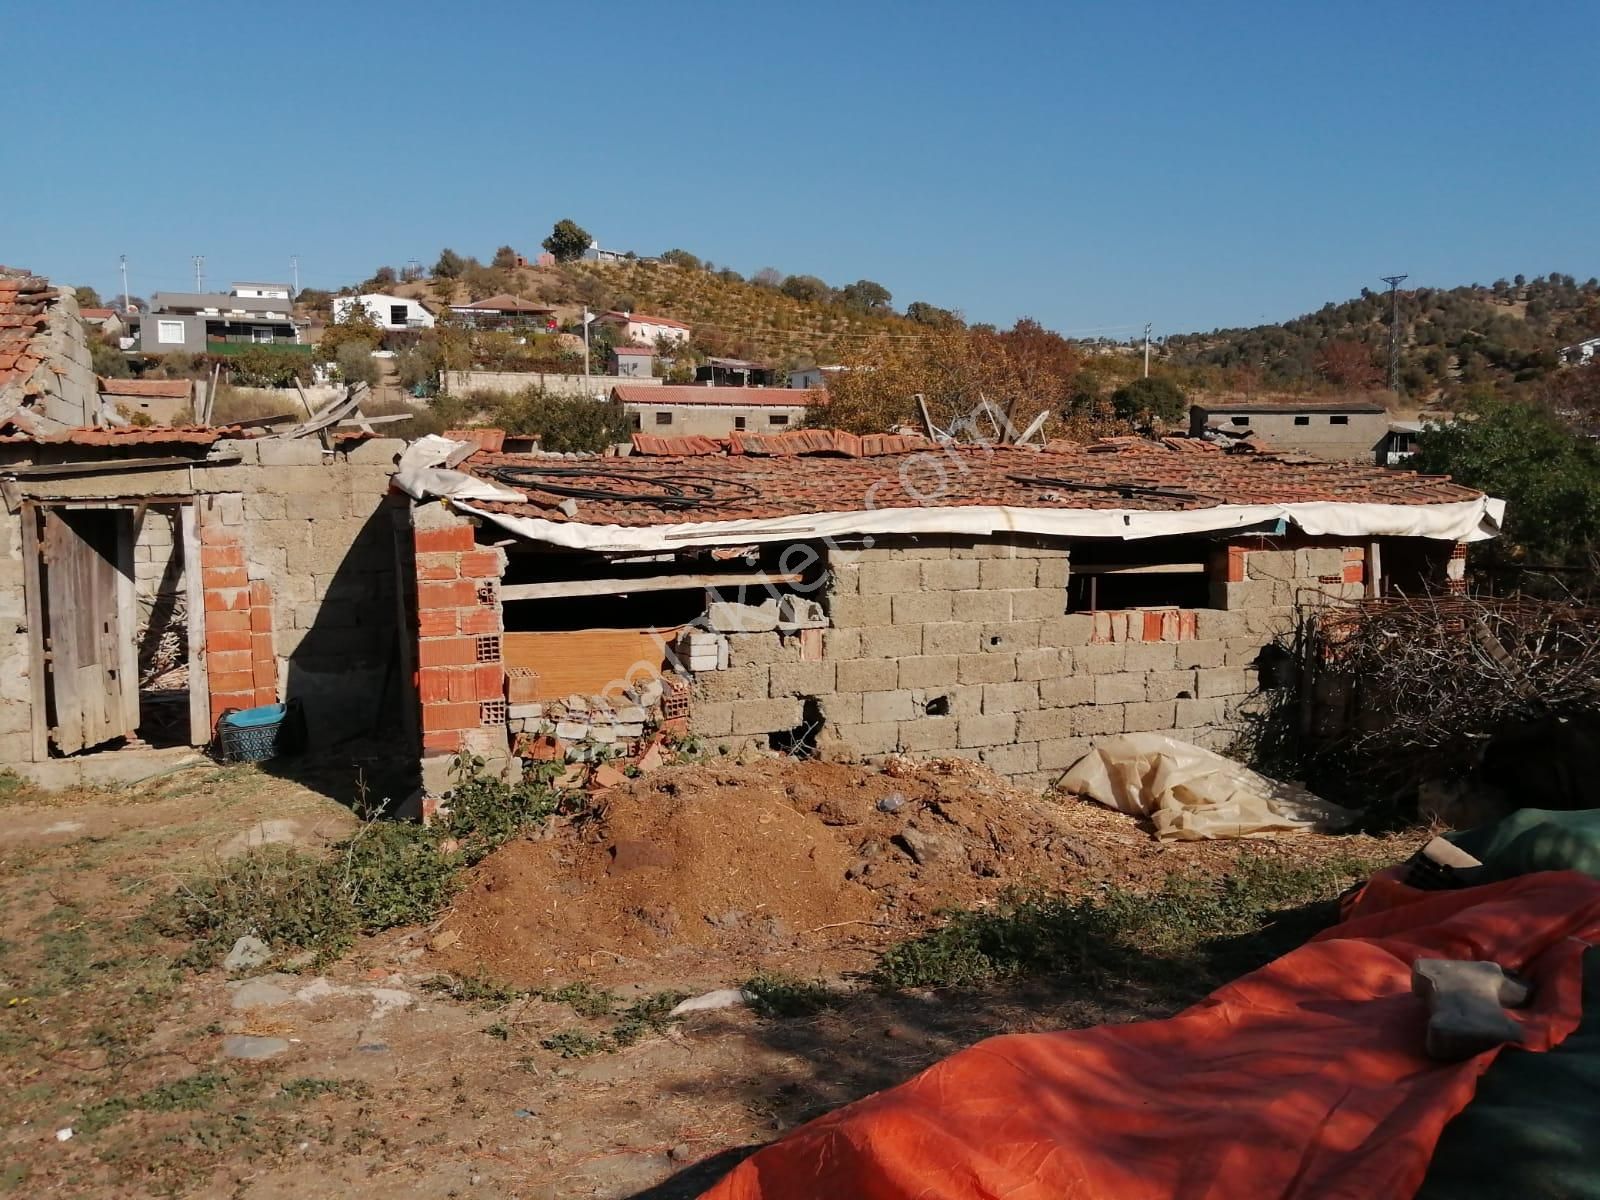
297	557
961	647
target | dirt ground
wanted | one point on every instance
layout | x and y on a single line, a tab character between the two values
687	880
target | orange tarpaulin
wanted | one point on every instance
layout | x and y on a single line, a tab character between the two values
1305	1078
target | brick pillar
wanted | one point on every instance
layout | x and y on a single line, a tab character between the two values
460	671
241	665
1455	571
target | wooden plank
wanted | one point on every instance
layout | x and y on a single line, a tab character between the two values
199	687
62	639
588	661
111	466
127	624
32	586
366	423
645	583
405	635
1138	569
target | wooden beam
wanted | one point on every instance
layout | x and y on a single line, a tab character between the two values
113	465
560	589
1137	569
32	587
127	624
194	590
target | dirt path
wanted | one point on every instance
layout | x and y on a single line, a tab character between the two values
383	1085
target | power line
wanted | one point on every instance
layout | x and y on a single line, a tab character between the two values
1394	282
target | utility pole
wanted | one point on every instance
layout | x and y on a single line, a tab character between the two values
1147	349
199	272
294	268
1394	282
587	317
125	304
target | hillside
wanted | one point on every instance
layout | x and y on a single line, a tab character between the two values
1454	339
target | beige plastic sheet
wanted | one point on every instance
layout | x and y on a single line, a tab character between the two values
1190	793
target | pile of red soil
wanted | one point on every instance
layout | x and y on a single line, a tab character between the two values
780	863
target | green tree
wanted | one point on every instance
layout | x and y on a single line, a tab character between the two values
567	241
682	258
924	313
1522	453
107	360
88	297
357	325
355	363
865	296
504	259
807	289
564	423
382	278
450	264
1154	399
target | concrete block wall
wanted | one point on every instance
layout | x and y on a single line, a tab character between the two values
961	647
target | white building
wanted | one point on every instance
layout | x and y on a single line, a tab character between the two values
645	330
813	377
1584	351
390	312
260	291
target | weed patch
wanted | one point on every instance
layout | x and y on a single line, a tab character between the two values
777	995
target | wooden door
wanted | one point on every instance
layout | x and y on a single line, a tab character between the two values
88	626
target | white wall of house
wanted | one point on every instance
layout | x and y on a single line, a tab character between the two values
712	420
262	291
390	312
812	377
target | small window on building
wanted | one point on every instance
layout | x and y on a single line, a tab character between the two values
1108	575
169	333
1302	420
1240	420
397	314
738	422
663	418
778	419
261	333
634	421
1339	420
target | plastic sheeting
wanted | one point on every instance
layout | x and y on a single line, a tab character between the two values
1462	521
1304	1079
421	477
1189	793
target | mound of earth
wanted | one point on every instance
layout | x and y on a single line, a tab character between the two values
764	864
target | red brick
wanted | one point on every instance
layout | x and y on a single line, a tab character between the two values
455	593
457	537
234	681
448	740
439	566
433	684
463	686
491	679
226	639
266	695
1152	627
436	622
522	689
222	556
232	622
224	577
447	652
261	646
225	661
227	600
265	672
481	564
217	535
449	716
1188	626
481	619
260	620
261	592
1355	572
221	702
1236	564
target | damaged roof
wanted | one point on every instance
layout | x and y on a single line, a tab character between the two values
759	477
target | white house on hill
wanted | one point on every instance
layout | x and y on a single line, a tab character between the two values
645	330
390	312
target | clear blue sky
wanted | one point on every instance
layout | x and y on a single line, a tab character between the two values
1191	164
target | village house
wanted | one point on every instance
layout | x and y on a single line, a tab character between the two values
392	313
1581	353
261	291
106	322
1348	429
734	372
685	409
506	313
813	377
641	329
856	597
150	401
191	321
632	362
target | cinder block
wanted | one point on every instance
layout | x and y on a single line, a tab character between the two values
1215	624
995	729
1146	717
928	670
1073	629
1201	654
1038	604
377	452
891	641
919	608
1015	759
887	706
1043	724
841	643
1057	754
1000	667
1096	720
844	578
950	574
297	452
1066	690
841	708
711	719
928	733
1269	565
867	675
881	737
1311	563
1118	689
1008	574
890	578
1242	652
1150	656
1269	622
857	611
1241	597
950	637
1044	663
1008	636
1104	659
980	606
1192	714
1009	697
1169	685
736	683
800	679
1223	681
765	716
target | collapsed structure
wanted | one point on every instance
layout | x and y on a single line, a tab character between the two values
860	596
